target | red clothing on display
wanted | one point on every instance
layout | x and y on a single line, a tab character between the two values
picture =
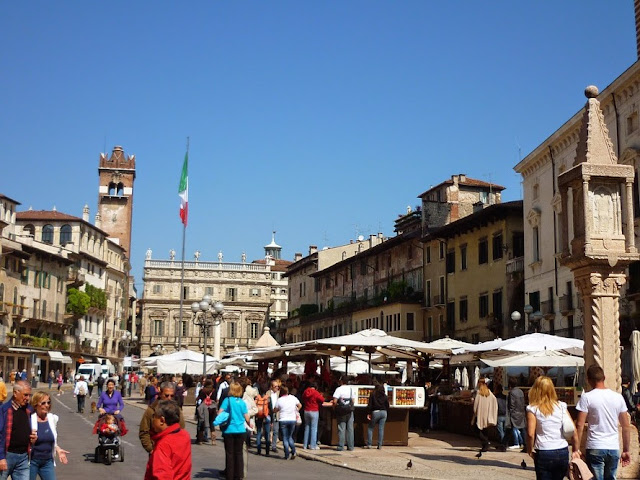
171	455
312	399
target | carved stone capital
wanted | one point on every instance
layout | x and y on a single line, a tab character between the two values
598	283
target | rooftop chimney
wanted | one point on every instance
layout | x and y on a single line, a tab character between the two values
462	177
297	256
313	249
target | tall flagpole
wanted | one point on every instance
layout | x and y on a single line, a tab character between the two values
184	234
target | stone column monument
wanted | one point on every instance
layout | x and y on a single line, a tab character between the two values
597	243
597	236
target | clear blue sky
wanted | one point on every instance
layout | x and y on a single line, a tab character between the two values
321	120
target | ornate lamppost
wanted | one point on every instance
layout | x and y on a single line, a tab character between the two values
206	314
128	341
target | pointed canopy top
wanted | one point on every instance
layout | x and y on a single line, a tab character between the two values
266	340
594	143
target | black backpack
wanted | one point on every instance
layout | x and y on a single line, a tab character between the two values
344	406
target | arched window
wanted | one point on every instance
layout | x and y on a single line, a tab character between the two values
47	234
65	234
120	189
29	230
112	188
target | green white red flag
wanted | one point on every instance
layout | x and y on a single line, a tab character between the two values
183	190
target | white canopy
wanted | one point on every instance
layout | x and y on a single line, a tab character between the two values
444	345
183	361
357	367
371	337
548	358
266	340
531	342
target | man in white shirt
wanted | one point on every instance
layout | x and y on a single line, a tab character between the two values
343	402
274	394
603	409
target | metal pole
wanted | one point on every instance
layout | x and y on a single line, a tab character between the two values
204	357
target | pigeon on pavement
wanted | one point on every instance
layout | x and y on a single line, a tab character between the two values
523	464
479	455
409	465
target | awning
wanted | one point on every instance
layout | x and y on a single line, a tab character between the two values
66	359
56	356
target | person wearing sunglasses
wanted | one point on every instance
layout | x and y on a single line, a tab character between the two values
167	392
15	433
45	447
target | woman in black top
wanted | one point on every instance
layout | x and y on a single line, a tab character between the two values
378	406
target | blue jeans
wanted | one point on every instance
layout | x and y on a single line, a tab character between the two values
378	417
518	436
275	429
345	428
44	468
17	466
263	424
310	428
500	426
287	437
551	464
603	463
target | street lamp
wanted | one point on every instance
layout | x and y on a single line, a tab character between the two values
536	318
515	317
128	341
528	309
210	315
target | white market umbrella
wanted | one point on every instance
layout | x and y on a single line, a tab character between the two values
533	359
538	342
465	379
635	359
444	345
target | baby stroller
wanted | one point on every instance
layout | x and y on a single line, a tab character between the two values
110	447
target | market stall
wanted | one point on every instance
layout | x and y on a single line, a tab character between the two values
396	429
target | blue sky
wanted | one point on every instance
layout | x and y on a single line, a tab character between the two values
321	120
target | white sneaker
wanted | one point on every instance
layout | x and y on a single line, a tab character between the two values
514	447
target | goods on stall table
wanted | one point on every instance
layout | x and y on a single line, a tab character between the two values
405	397
363	395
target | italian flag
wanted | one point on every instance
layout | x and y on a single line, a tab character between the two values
183	190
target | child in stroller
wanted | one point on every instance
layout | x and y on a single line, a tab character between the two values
109	444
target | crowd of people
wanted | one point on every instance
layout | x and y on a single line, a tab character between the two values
544	429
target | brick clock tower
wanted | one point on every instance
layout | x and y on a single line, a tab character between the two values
115	198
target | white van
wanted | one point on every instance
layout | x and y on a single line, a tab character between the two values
95	369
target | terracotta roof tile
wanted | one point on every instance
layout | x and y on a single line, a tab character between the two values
470	182
53	215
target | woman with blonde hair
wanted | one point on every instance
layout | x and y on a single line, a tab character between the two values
485	412
544	431
235	433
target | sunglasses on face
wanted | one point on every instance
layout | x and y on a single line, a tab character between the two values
42	404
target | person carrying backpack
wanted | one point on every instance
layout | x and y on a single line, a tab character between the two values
263	418
206	410
344	402
80	392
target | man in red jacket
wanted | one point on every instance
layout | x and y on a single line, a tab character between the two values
171	456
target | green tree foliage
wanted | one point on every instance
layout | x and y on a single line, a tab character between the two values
77	302
97	297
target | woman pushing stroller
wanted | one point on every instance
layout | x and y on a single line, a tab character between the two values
111	403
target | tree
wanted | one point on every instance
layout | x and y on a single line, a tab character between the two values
77	302
97	296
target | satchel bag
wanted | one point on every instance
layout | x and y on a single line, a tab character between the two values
568	428
222	420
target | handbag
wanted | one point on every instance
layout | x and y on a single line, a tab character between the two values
568	428
298	418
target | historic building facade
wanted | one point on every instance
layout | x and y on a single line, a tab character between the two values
247	291
549	286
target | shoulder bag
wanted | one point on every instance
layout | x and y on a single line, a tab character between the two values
568	428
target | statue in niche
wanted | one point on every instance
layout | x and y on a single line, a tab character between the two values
172	254
148	255
244	257
604	215
196	255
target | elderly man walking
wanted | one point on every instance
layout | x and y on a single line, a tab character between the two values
603	409
167	392
15	433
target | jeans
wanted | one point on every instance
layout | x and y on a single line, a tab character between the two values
44	468
275	429
233	444
17	467
288	428
551	464
500	426
263	424
81	403
310	429
518	436
345	426
603	463
378	417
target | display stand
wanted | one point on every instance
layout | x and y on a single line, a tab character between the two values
396	429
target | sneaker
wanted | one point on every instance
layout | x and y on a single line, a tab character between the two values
366	446
317	447
293	456
514	447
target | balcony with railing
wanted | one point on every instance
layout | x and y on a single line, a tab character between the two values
547	309
566	304
515	265
438	300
